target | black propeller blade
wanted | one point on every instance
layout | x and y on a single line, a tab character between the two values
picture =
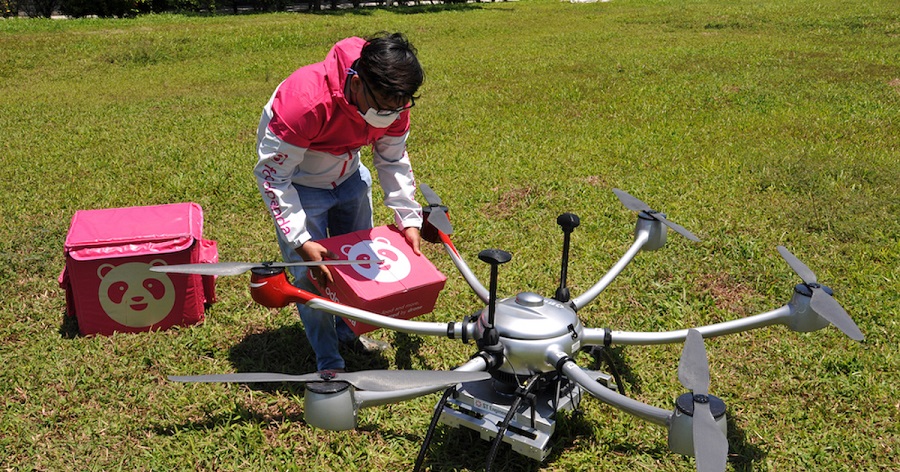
710	444
634	204
438	216
237	268
370	380
822	302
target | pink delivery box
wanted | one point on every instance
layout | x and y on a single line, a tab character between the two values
403	286
108	285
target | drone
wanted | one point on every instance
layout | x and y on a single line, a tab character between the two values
523	373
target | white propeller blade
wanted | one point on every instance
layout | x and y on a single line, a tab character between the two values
710	445
438	213
634	204
822	302
237	268
369	380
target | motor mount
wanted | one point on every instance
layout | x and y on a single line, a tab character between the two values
330	405
681	437
804	318
654	227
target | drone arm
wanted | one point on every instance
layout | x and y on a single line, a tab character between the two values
464	269
596	337
365	398
640	239
373	398
593	336
271	289
475	364
421	328
571	370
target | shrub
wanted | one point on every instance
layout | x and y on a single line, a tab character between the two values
38	8
9	8
186	5
105	8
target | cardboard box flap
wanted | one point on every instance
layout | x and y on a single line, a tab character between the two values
119	232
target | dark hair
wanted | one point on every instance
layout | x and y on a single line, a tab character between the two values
388	63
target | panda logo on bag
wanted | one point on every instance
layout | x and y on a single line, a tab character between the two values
396	265
133	296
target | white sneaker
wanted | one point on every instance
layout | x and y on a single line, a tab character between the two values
367	344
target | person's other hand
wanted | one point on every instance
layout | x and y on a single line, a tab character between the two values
414	238
313	251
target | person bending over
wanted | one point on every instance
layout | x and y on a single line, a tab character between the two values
309	171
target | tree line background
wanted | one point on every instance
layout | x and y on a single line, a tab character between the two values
130	8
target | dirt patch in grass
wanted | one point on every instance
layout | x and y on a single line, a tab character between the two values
727	294
595	181
511	202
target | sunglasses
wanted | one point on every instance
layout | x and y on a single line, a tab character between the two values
380	110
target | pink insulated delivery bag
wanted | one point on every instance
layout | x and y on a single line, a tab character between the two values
108	285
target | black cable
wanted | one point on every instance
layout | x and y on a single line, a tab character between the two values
615	372
504	425
430	433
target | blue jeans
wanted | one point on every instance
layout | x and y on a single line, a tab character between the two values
329	212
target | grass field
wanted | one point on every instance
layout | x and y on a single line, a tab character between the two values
753	124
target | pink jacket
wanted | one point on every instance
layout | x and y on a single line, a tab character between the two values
309	134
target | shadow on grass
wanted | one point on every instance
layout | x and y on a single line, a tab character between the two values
571	429
743	455
463	449
286	350
615	360
68	328
407	348
241	414
444	453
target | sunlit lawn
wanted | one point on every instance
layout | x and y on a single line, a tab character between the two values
752	124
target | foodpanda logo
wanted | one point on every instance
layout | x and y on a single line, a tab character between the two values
396	265
133	296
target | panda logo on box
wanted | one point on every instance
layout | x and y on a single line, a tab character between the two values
133	296
396	265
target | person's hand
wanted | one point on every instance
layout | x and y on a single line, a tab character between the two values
313	251
414	238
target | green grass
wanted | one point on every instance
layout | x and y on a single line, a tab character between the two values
751	123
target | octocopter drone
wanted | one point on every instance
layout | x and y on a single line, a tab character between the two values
523	372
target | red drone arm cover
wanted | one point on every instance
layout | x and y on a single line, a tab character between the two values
445	238
274	291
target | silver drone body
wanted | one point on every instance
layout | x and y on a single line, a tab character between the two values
529	325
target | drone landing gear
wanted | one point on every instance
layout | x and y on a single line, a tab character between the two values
479	406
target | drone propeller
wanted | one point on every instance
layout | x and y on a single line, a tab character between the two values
634	204
237	268
438	216
370	380
330	403
710	443
822	302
